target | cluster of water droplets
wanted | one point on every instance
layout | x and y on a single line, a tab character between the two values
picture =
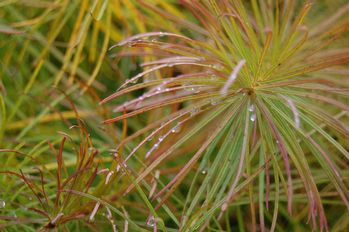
136	78
145	37
253	115
161	88
174	130
157	90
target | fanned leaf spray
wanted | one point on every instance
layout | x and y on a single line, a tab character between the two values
244	101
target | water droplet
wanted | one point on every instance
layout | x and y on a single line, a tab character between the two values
153	40
2	204
196	89
161	138
193	89
156	146
161	34
214	101
133	81
131	43
251	108
253	117
218	67
194	111
277	141
187	87
159	88
176	129
151	221
213	77
203	172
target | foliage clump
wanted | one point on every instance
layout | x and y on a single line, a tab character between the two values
224	115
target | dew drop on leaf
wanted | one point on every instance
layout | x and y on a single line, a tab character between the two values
13	214
253	117
251	108
176	129
151	221
194	111
213	77
214	101
188	87
2	204
161	138
159	88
